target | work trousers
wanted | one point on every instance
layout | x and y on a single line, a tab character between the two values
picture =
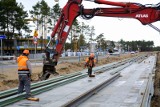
24	83
89	70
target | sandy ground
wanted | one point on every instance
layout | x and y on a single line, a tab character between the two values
156	97
8	78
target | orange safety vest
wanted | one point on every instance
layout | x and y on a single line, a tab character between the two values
90	62
22	63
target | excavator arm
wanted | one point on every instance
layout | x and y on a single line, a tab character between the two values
146	14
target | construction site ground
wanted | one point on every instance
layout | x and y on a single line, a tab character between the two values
9	76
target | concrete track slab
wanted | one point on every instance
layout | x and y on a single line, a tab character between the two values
124	92
61	95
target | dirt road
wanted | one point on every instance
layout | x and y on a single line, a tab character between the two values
156	97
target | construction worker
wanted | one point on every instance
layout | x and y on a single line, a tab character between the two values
90	63
24	74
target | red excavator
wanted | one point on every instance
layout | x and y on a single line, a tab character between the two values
146	14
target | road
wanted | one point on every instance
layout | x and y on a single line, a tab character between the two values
38	62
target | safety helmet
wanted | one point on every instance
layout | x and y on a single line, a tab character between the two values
92	55
26	51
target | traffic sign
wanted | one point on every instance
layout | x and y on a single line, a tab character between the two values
35	33
48	37
35	40
18	47
2	36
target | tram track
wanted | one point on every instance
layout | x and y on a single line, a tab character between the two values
139	95
11	96
115	75
78	100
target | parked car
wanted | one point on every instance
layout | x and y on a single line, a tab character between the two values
132	52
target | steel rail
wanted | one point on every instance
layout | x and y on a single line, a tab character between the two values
147	93
13	91
118	69
120	63
126	65
10	96
83	97
17	97
77	101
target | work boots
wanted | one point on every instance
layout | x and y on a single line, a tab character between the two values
33	99
91	75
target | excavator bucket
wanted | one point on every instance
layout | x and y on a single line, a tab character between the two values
48	69
49	64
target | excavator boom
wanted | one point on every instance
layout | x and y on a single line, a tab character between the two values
74	8
146	14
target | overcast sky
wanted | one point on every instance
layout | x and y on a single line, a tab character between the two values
113	28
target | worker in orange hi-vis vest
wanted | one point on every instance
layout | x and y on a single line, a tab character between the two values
90	63
24	75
